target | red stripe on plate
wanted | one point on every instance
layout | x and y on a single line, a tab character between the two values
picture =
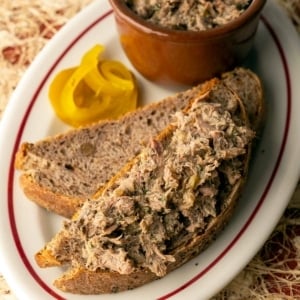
269	184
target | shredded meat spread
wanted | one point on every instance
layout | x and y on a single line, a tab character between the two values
192	15
170	194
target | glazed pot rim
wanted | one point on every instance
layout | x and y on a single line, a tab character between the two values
126	14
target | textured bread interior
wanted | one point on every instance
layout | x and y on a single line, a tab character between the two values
75	162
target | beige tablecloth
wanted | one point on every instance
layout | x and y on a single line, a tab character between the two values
27	25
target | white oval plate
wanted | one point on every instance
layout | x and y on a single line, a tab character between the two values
274	172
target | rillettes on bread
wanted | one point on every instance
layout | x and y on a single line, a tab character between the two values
165	205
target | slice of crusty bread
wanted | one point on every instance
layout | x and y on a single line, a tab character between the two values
164	206
60	172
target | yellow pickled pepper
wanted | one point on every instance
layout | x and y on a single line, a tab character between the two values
96	89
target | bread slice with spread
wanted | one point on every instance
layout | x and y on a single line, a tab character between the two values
164	206
60	172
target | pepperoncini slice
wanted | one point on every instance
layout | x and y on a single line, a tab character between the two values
96	89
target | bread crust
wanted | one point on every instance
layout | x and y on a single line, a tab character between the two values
60	204
83	281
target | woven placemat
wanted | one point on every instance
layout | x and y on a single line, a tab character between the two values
26	26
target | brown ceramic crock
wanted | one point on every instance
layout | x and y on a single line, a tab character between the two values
185	57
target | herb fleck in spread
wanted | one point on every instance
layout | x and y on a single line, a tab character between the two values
194	15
